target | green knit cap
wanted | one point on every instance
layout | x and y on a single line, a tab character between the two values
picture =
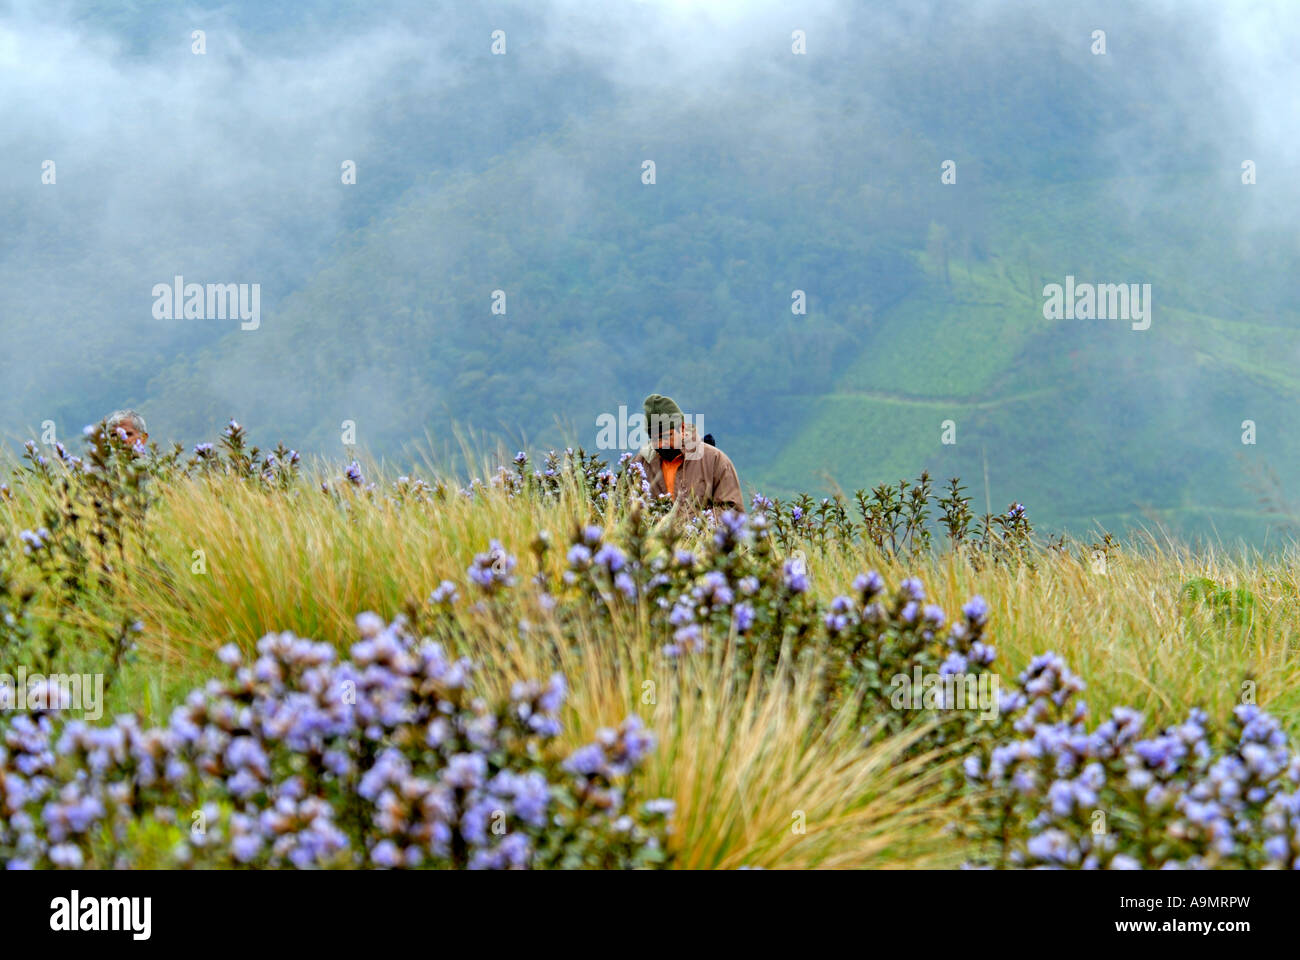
661	411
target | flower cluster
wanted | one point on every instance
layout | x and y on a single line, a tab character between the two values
883	645
732	587
570	469
902	519
494	569
386	759
1051	792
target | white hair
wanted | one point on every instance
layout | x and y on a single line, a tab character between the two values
119	417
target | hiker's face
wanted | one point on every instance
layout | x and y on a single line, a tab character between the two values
133	436
670	439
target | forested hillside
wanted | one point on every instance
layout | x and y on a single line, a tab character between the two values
774	173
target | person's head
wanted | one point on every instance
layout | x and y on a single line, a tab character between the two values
131	424
664	424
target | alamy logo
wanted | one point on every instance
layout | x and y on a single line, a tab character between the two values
1103	301
631	432
133	914
179	300
945	691
58	691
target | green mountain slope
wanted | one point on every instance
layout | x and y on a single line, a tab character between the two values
773	174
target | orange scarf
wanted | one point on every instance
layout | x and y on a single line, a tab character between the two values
670	474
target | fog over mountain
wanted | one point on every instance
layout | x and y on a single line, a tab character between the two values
774	172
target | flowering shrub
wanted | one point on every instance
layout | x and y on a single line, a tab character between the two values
96	508
731	590
16	628
571	469
1053	793
896	519
728	588
299	760
883	644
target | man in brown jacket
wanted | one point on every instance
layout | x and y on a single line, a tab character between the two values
697	475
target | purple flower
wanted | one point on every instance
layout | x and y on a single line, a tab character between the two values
493	569
444	593
742	616
587	761
661	807
954	664
245	847
465	770
976	610
714	589
386	854
867	585
913	588
67	855
610	557
689	637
